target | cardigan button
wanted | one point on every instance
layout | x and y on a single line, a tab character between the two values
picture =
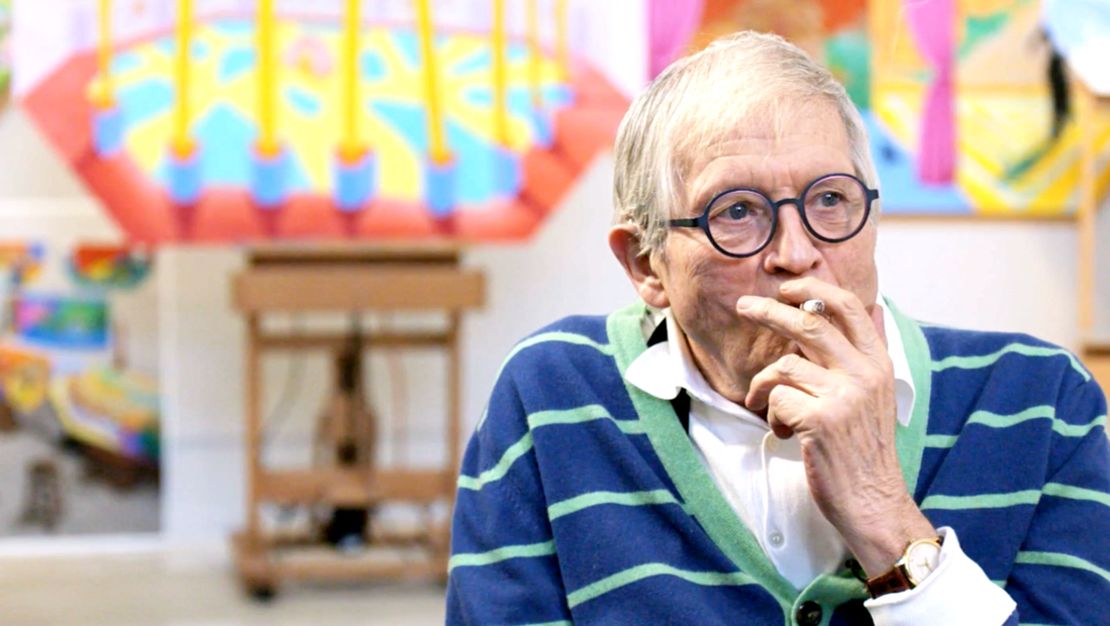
808	614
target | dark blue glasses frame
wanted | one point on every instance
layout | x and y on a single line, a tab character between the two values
702	221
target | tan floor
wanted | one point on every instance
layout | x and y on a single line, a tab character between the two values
153	590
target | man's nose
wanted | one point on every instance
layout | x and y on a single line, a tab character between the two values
792	250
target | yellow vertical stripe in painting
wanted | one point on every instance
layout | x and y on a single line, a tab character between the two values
182	145
350	146
433	101
500	75
535	54
104	95
562	52
267	79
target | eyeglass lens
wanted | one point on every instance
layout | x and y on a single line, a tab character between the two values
740	221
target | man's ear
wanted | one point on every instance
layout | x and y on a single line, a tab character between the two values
624	241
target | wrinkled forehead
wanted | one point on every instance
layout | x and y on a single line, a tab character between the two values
706	130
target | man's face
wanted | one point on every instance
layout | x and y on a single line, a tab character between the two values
701	285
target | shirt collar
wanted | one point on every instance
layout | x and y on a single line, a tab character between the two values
666	368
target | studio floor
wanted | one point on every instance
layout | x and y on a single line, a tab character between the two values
156	590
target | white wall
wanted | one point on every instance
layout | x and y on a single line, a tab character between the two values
1014	276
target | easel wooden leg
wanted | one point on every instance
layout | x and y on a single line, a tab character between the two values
249	546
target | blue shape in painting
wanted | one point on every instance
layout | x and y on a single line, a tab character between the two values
483	60
409	47
108	128
198	50
234	28
227	143
304	102
373	68
558	95
226	137
235	63
183	178
126	61
146	100
354	182
520	98
901	191
439	192
268	180
474	175
296	174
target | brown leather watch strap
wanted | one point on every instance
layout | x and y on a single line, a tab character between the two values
898	578
891	582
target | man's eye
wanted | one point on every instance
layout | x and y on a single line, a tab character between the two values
830	199
738	211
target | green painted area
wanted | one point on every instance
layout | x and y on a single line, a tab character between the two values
848	56
979	28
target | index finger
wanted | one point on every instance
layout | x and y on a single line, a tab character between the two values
844	307
819	340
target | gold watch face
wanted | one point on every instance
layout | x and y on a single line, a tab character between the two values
921	559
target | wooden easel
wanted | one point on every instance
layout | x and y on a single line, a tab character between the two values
353	281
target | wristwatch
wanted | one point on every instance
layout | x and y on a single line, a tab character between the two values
919	560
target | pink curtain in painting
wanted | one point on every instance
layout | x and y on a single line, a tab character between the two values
933	24
671	24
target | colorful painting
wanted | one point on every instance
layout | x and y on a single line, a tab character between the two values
22	260
73	404
965	100
1012	147
327	126
111	410
61	321
103	266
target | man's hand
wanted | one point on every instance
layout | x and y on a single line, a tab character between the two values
838	399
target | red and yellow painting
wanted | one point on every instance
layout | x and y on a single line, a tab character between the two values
962	98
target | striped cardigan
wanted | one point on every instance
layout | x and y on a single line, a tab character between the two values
582	500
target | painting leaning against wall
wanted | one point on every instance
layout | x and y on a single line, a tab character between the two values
966	101
79	401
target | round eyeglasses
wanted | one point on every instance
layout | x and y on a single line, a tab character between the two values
741	222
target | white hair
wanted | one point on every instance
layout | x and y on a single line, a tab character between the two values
708	95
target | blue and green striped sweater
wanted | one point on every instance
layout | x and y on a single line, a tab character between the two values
582	500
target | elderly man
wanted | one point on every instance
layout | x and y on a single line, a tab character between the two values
764	439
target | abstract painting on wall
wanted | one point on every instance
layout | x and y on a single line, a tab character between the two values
230	121
966	101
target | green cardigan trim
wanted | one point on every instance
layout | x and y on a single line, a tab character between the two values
910	440
706	503
676	452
